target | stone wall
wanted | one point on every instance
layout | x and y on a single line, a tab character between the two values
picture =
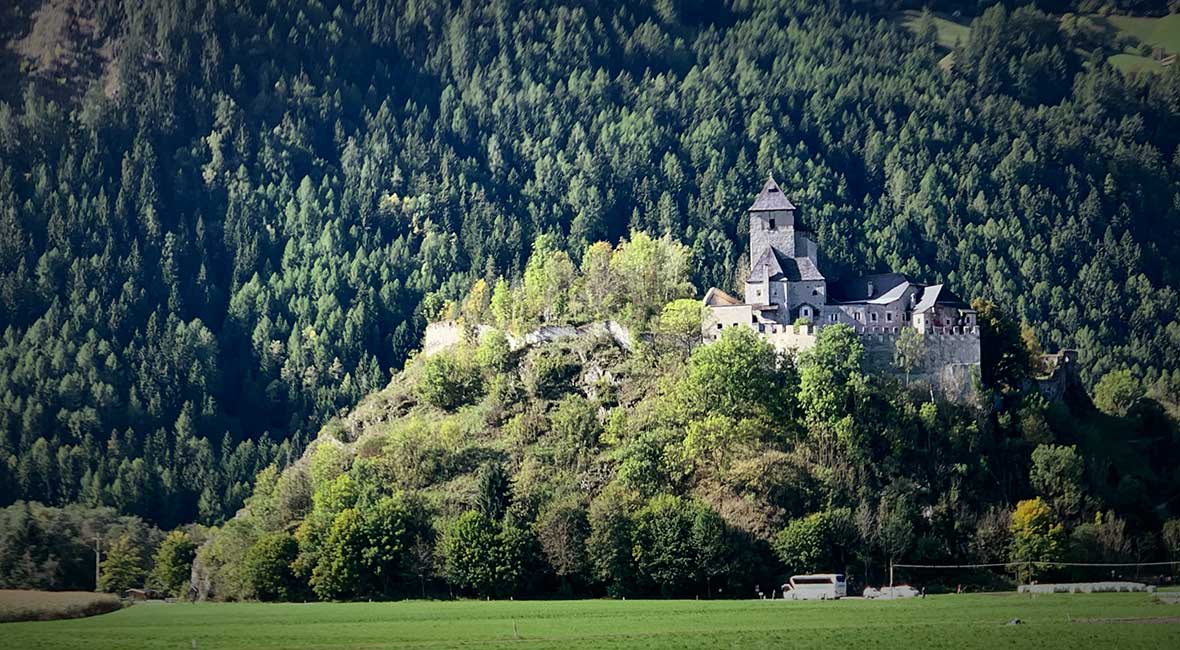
441	335
952	353
951	363
1061	375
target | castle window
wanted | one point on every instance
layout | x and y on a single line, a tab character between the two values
831	318
857	316
719	325
889	316
772	224
815	292
761	327
873	317
806	312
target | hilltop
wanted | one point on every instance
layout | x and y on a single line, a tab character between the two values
643	463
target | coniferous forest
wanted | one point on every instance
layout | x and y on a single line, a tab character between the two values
225	222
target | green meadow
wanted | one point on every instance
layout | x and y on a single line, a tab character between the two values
1124	621
1154	31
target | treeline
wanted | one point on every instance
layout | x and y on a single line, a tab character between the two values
240	229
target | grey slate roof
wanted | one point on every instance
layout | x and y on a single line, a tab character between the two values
773	265
857	289
804	269
889	288
768	266
937	294
771	198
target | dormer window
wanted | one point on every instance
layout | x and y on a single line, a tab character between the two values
772	224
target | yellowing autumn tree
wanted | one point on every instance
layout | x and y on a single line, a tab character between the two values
1036	537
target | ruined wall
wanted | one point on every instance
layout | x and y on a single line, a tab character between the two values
441	335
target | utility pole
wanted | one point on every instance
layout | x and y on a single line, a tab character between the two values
97	560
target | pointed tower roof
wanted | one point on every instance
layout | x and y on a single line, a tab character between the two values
771	198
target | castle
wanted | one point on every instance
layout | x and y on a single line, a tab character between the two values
788	300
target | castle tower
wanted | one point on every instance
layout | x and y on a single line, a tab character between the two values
772	223
784	272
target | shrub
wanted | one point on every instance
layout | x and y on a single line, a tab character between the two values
550	372
494	352
448	382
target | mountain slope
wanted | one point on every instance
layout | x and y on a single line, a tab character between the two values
199	271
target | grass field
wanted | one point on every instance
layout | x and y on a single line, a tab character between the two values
1163	32
18	605
950	34
1124	621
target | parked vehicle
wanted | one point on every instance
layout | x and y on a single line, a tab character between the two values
890	593
820	586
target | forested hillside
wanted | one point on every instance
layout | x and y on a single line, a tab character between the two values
581	467
639	464
221	221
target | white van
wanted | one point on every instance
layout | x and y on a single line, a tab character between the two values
819	586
